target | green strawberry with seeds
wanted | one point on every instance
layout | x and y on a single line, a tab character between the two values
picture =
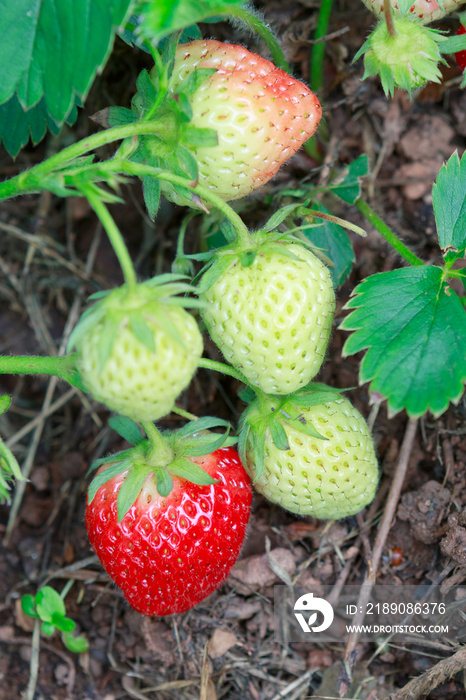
137	351
311	453
270	309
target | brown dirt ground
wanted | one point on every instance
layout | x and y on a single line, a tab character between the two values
45	245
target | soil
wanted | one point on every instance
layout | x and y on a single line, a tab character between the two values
53	255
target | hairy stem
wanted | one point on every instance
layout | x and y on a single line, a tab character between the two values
115	237
62	367
159	448
224	369
32	180
387	10
252	21
387	233
130	168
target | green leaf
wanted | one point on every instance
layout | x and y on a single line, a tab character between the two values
131	488
48	628
64	624
413	328
162	17
110	330
405	5
349	188
127	428
49	602
78	645
54	49
164	482
194	80
449	200
188	163
5	403
279	216
333	240
106	475
18	126
278	434
192	136
186	469
28	605
146	92
151	192
141	330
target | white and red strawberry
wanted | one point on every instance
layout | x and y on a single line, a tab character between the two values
425	10
169	552
311	453
136	352
271	317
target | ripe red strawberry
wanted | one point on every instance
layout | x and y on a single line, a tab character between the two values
260	113
425	10
460	56
170	552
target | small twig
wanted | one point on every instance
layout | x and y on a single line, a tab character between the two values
384	529
431	679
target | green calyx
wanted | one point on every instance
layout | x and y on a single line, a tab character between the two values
144	463
408	58
263	241
134	308
267	417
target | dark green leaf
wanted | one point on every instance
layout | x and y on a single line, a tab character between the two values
64	624
413	327
54	49
247	257
279	216
164	482
48	602
162	17
186	469
77	645
127	428
28	605
114	116
334	242
188	163
449	200
18	126
151	192
204	423
349	188
146	90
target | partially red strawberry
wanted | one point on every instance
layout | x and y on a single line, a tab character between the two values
460	56
169	552
425	10
261	115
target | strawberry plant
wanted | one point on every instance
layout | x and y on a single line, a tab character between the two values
401	49
209	123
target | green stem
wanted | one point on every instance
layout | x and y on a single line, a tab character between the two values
224	369
159	448
318	49
115	237
32	180
62	367
130	168
184	414
257	25
387	233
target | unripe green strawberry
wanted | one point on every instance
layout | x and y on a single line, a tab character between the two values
137	351
272	318
425	10
261	116
328	477
406	56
